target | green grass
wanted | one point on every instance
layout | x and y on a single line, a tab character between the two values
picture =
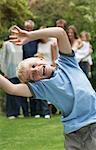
31	134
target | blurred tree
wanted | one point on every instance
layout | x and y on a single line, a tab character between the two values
81	13
13	12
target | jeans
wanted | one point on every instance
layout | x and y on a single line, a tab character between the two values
13	103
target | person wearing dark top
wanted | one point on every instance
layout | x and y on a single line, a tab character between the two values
37	107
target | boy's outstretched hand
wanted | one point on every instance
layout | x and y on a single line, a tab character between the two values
18	36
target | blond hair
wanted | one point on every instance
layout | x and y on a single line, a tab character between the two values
20	71
87	34
24	66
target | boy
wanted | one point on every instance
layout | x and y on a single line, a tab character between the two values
65	86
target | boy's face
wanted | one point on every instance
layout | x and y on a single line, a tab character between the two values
37	70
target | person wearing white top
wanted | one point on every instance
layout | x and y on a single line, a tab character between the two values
86	37
83	54
11	56
47	49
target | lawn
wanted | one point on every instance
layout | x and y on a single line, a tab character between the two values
31	134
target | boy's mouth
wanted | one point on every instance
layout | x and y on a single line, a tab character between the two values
43	70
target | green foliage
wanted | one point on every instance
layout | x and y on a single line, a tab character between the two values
13	12
93	80
81	13
47	12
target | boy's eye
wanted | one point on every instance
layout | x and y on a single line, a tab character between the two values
33	66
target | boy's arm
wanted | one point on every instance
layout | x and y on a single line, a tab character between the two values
14	89
53	53
20	37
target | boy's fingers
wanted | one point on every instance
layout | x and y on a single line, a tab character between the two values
14	31
15	41
13	37
15	28
18	43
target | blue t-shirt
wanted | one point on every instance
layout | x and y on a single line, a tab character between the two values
70	91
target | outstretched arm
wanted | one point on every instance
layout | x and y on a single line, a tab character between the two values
14	89
20	37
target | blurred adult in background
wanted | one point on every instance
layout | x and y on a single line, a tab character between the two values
61	23
10	58
82	48
29	50
86	62
47	50
74	39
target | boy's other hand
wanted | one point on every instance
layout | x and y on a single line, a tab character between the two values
18	36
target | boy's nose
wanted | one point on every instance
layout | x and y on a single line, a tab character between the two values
33	70
36	69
